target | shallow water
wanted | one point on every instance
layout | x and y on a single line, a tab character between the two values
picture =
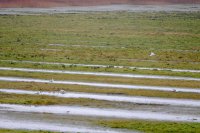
103	85
7	124
92	46
30	121
99	74
118	98
106	8
99	112
54	50
105	66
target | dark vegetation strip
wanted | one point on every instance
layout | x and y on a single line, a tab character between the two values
152	126
76	88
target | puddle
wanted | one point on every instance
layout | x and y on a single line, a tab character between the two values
117	98
56	45
31	125
105	66
99	112
91	46
44	49
53	122
100	74
103	85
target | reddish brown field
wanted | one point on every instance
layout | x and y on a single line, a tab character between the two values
54	3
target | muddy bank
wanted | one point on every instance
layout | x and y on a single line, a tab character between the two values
106	8
114	98
104	66
99	74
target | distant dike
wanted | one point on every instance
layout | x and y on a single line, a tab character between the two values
63	3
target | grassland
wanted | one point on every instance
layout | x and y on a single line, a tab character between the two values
108	38
153	126
124	35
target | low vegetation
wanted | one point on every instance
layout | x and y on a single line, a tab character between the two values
107	38
153	126
88	89
113	38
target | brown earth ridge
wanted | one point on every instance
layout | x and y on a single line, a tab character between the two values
62	3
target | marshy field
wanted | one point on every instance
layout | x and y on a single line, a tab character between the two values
100	71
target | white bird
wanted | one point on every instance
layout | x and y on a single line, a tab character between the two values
152	54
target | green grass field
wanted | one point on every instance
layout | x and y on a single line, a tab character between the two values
124	35
153	126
